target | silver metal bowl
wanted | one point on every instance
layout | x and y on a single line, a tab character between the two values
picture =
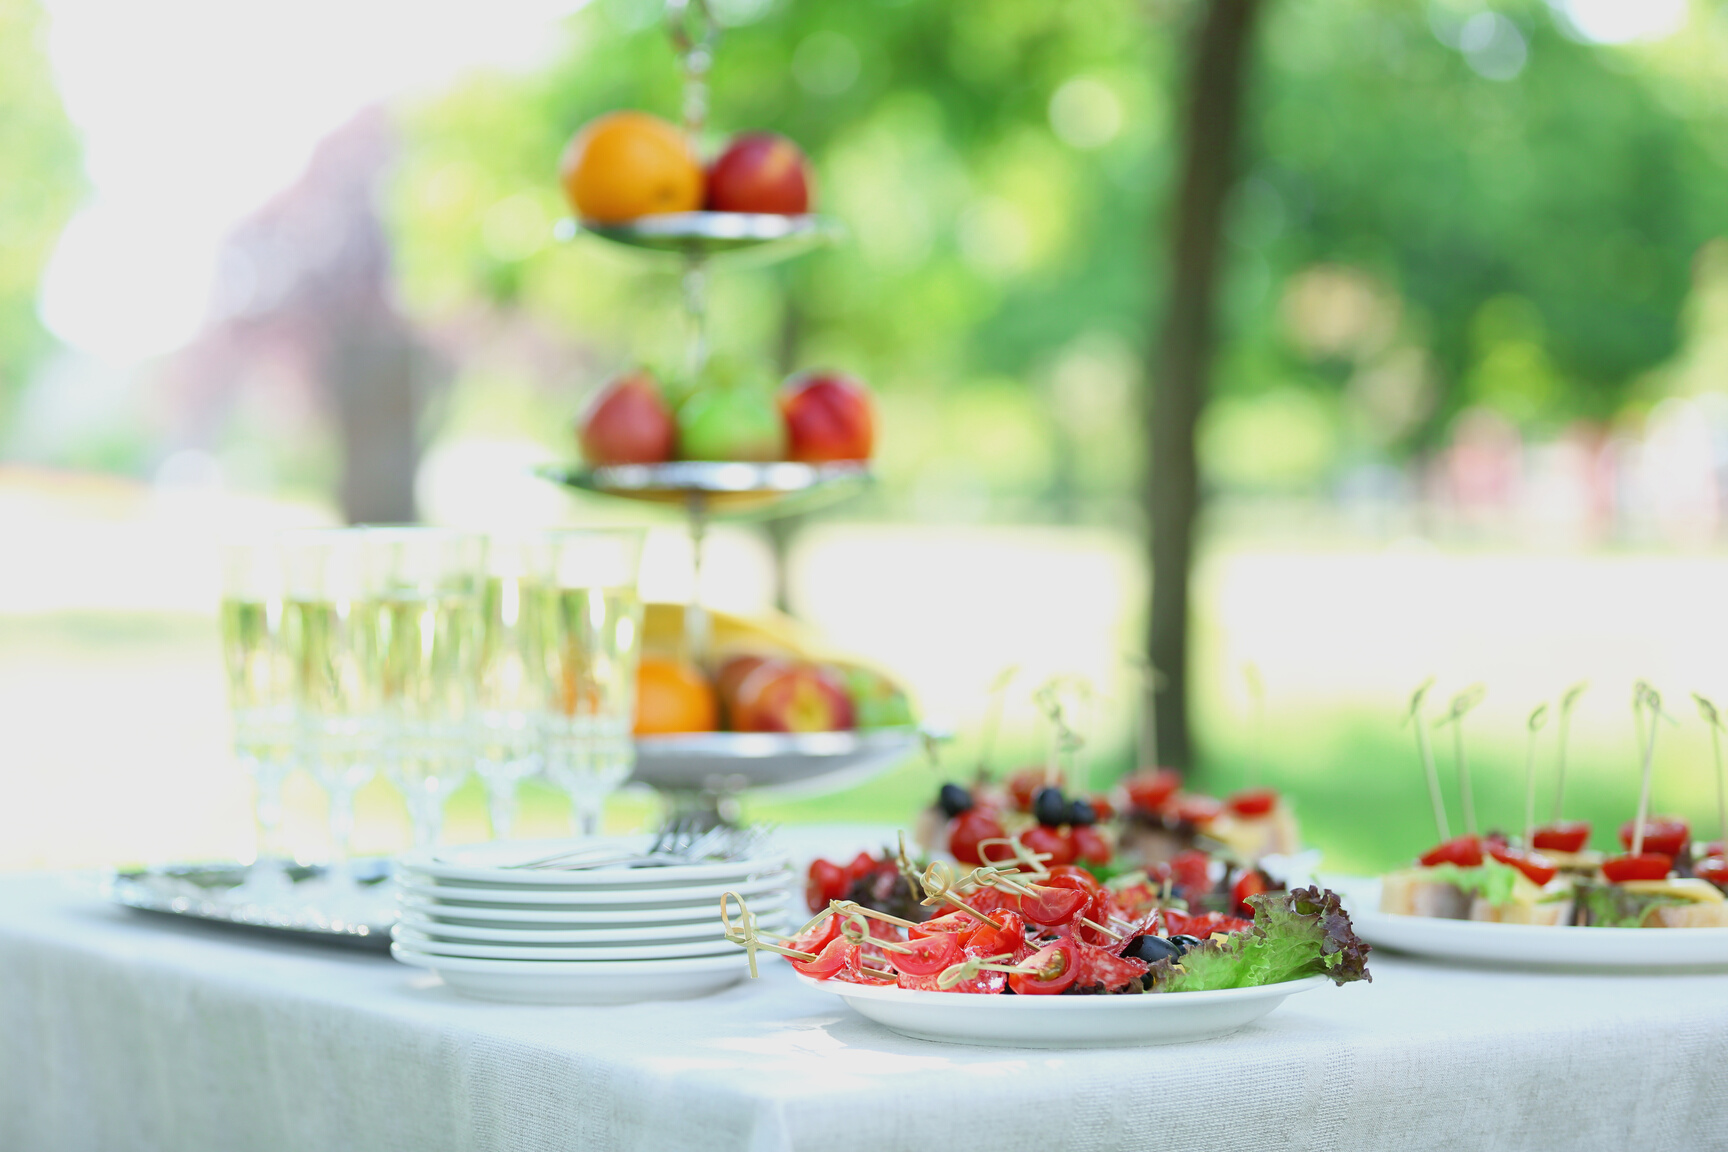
699	234
721	486
729	762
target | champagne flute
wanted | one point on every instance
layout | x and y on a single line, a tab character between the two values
591	626
261	697
426	583
330	625
511	688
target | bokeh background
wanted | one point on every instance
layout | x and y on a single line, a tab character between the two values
294	263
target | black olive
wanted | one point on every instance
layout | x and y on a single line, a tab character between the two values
1080	812
1151	949
1183	943
1049	807
954	799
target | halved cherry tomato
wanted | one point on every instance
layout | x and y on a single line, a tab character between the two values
969	827
1562	836
827	881
1250	883
1090	844
929	954
1713	869
1253	801
947	922
1198	809
862	865
1073	876
1663	835
983	940
1044	840
1464	851
817	937
1024	784
1190	869
852	971
1056	964
1052	906
1649	866
1150	789
830	960
1101	806
1534	865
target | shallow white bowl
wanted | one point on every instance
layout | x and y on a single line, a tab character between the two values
487	866
595	899
534	918
490	934
1063	1021
548	982
1531	945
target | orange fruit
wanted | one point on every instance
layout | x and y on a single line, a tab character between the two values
672	696
629	164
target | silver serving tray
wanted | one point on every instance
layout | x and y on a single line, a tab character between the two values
207	892
764	236
721	486
724	762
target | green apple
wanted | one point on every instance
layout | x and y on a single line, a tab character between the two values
731	422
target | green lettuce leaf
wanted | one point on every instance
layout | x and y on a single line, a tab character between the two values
1296	934
1611	906
1491	880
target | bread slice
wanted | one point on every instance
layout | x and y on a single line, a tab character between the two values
1705	905
1409	893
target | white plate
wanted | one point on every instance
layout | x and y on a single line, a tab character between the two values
487	866
537	919
1063	1021
550	982
491	934
659	898
541	953
1531	945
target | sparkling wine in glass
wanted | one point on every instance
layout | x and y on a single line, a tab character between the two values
591	628
260	695
511	689
427	613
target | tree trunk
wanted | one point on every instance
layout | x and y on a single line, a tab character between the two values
1182	366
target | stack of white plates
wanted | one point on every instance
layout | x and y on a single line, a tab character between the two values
606	935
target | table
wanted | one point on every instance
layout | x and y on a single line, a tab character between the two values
120	1031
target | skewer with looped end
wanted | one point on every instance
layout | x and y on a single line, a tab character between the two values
1533	725
1645	697
1026	862
1567	702
746	935
940	883
970	968
1714	719
1455	712
1413	717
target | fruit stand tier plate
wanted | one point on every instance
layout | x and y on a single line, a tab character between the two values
1063	1021
730	761
721	486
695	234
214	893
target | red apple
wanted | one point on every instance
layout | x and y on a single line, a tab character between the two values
628	423
732	675
791	696
828	417
760	172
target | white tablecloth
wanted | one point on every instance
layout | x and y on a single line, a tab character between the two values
119	1032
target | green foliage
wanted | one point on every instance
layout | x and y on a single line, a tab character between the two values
43	182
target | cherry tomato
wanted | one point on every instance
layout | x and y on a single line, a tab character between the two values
1043	840
1464	851
983	940
1057	965
1024	785
1713	869
947	922
1191	871
1197	809
1663	835
1101	806
830	960
1252	801
929	954
862	865
852	971
1073	876
827	881
1148	790
1090	844
1562	836
1534	865
1250	883
817	937
968	828
1052	906
1649	866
